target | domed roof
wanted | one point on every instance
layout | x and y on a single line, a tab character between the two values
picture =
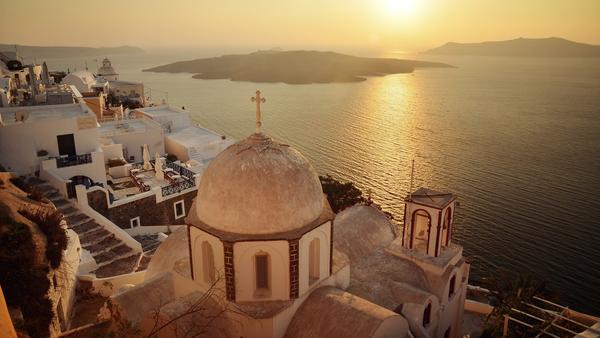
106	68
259	186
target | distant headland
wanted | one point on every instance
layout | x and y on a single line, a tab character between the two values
47	52
293	67
547	47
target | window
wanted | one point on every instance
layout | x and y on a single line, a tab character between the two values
179	209
134	222
427	315
447	333
208	263
421	226
261	266
452	287
446	229
314	272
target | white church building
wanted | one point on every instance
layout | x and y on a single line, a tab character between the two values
263	255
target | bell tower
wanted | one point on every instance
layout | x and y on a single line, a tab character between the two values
428	219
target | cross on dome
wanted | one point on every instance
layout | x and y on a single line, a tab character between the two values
258	99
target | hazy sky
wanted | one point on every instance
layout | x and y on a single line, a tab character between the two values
386	25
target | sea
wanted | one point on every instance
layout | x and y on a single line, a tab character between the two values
516	139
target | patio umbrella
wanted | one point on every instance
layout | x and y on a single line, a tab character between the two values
146	155
160	175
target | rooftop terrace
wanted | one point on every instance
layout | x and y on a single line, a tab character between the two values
27	114
130	126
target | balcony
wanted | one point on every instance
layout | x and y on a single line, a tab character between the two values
71	160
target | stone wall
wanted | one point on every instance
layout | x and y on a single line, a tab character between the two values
149	212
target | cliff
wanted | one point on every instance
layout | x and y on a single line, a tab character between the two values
549	47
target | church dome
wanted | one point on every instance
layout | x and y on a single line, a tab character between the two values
259	186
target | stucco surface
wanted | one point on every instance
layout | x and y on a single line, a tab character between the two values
331	312
259	186
379	275
359	230
172	255
143	298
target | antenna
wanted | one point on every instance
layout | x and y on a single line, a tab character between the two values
412	174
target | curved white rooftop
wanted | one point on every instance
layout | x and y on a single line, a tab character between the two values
259	186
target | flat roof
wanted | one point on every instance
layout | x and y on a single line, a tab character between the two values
194	135
130	126
162	110
42	112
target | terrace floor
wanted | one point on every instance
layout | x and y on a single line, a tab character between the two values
123	187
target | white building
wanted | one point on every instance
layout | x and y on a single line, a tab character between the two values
60	141
129	90
261	231
130	136
85	82
190	143
107	72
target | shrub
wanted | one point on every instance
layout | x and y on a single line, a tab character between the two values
56	236
340	195
20	183
36	194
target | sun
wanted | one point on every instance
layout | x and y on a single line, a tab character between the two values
404	7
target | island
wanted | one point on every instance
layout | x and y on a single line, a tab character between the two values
293	67
547	47
43	52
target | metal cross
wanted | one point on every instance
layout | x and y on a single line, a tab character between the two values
258	99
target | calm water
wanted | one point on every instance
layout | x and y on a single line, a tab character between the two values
518	140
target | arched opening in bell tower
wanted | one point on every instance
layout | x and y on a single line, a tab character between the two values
420	231
446	228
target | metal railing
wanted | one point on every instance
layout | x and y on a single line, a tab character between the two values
185	172
177	187
71	160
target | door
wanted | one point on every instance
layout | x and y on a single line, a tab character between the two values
66	145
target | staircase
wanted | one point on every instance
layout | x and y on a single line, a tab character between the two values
113	257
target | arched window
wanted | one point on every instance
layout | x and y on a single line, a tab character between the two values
421	226
208	263
447	333
427	315
314	257
446	228
452	287
262	273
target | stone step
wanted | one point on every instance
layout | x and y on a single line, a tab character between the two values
77	218
84	226
60	202
105	258
68	210
45	188
94	236
52	194
121	249
106	244
118	266
151	246
110	256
